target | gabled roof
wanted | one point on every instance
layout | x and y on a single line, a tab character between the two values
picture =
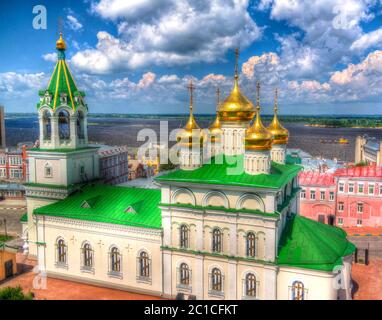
315	178
226	174
309	244
371	171
108	204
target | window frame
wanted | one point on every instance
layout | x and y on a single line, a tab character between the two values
251	245
217	241
184	236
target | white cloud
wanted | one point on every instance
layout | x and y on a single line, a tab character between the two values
73	23
17	84
51	57
364	75
368	40
326	31
182	32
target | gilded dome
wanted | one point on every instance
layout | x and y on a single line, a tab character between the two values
280	134
258	137
236	107
191	134
215	130
60	44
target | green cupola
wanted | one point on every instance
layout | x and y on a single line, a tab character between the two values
62	89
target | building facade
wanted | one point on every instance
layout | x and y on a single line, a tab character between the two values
226	228
13	165
318	196
113	164
368	150
348	197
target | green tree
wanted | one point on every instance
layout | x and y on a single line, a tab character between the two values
14	293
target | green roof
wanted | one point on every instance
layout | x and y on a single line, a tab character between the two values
62	81
309	244
24	217
214	173
109	204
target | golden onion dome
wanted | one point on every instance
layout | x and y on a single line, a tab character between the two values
215	130
191	134
60	44
280	134
236	107
258	137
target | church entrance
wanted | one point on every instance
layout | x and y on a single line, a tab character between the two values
331	220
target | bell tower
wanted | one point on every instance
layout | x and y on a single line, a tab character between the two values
63	161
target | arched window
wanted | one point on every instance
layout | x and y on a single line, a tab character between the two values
115	260
87	255
64	125
216	240
47	126
298	290
216	280
250	285
80	125
184	274
144	265
61	251
251	245
184	234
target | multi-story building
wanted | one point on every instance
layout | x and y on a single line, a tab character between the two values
318	196
225	228
13	165
113	164
368	150
359	196
348	197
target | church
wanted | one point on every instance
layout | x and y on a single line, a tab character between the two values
224	225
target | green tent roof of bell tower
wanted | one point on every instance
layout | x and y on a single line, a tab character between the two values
61	82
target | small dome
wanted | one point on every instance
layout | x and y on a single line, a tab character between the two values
191	133
60	44
258	137
215	130
280	134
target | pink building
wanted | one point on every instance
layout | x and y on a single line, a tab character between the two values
350	197
359	196
318	196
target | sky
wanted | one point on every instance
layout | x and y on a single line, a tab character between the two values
137	56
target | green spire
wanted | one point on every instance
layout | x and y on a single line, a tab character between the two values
62	81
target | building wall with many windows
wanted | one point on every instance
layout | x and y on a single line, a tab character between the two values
357	199
13	165
113	164
118	268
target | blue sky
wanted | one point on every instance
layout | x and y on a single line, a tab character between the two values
137	56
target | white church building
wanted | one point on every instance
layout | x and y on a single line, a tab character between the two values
225	225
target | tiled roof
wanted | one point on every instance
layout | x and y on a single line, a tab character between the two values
309	244
231	172
360	171
109	204
314	178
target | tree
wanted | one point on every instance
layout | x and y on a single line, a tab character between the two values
14	293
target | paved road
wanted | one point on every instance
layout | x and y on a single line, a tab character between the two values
373	243
13	221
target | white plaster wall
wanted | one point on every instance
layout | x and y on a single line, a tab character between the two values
102	236
319	285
